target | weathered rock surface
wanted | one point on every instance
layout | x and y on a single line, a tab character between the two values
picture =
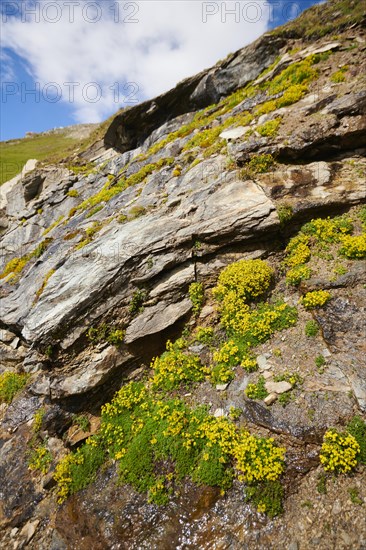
127	264
193	93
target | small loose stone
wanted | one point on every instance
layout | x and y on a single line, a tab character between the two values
271	398
278	387
262	362
13	532
14	343
219	412
337	507
221	387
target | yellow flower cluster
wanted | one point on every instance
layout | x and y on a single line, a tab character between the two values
292	95
15	267
167	427
353	247
221	374
63	475
204	334
10	384
339	452
37	419
112	434
314	299
227	354
247	278
249	364
127	397
197	296
295	275
218	431
316	233
259	325
329	229
176	421
41	459
258	459
299	255
157	488
293	378
233	311
175	367
300	238
269	128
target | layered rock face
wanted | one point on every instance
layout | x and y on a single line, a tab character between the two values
186	184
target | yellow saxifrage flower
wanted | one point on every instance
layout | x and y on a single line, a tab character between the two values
247	278
317	298
339	452
353	247
258	459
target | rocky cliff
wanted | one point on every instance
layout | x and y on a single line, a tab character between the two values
113	252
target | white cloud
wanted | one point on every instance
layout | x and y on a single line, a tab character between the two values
6	68
168	42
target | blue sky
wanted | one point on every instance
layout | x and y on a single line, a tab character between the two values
70	61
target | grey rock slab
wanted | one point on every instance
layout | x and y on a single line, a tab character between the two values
42	386
20	410
278	387
20	241
89	375
6	187
242	203
33	362
6	336
178	278
350	104
234	133
32	185
337	507
237	386
337	373
15	200
358	386
28	531
156	318
318	385
236	210
10	356
13	532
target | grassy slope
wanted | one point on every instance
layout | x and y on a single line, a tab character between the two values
323	19
15	153
51	148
